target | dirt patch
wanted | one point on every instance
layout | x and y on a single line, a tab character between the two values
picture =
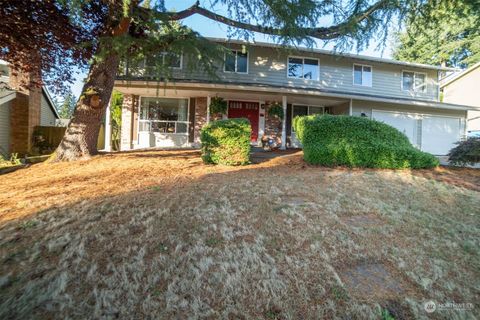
461	177
368	220
370	280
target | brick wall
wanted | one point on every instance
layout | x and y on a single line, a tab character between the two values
200	117
129	114
24	113
273	126
19	124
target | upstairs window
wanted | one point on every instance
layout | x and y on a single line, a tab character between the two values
164	59
414	81
303	68
362	75
237	62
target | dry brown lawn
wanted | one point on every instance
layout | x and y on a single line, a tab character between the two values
160	235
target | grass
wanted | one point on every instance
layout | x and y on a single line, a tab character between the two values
160	235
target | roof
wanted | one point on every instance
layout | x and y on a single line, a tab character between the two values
334	53
246	86
6	95
50	102
456	76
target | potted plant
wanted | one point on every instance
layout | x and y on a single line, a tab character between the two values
218	106
276	110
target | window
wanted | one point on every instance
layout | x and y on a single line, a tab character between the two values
163	115
299	110
362	75
414	81
163	59
303	68
237	61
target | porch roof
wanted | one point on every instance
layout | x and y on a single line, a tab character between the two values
196	88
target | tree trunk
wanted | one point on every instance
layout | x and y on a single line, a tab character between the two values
80	139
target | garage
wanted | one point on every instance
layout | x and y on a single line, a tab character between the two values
439	134
431	133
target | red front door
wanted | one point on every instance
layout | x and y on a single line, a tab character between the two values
249	110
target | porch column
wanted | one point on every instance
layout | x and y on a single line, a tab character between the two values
209	100
108	129
284	124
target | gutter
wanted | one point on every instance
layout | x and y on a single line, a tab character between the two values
195	85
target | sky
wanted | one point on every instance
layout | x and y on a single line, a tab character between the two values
210	28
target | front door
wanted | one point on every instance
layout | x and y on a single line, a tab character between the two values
249	110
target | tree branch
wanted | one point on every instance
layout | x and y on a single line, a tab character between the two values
323	33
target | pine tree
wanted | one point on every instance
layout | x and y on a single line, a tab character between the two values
67	106
448	33
109	31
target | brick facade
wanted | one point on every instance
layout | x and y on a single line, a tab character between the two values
200	117
129	122
24	114
273	126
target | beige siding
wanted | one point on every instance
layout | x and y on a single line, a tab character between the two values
47	117
5	129
466	90
269	66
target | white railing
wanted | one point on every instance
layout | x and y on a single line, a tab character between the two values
163	126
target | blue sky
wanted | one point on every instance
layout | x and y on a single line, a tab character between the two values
210	28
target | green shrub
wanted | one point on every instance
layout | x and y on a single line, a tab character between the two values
466	152
218	105
357	142
226	142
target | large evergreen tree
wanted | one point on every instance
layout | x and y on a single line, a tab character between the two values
112	30
67	106
445	33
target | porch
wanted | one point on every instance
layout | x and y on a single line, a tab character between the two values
155	117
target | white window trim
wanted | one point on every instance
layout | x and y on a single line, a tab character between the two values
303	63
414	76
157	97
236	59
164	53
308	111
353	75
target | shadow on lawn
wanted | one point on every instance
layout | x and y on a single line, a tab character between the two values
111	230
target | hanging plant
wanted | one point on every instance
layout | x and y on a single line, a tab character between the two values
276	110
218	105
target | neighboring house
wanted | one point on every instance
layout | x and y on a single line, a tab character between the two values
464	88
305	81
20	112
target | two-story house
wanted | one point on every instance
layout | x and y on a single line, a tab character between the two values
304	81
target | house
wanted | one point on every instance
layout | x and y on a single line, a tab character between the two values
304	81
21	111
464	88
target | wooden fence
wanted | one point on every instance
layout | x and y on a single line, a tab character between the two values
54	135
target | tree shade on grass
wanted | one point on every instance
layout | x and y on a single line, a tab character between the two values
357	142
226	142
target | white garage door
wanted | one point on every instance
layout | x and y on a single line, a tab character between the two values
434	134
439	134
403	122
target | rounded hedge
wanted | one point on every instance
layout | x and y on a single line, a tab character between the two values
357	142
226	142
